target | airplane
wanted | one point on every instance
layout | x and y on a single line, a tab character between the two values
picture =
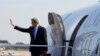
74	34
78	31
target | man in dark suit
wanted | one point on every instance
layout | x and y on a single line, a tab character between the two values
38	36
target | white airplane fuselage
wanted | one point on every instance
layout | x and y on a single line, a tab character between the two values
79	30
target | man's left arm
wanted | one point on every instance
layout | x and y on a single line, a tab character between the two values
45	37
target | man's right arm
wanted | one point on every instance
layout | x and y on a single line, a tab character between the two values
22	29
19	28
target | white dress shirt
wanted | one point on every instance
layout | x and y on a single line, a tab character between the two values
35	31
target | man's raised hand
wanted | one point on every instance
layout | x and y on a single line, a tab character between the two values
12	23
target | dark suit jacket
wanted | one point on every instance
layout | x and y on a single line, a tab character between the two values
41	38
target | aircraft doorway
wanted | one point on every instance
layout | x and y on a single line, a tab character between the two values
57	32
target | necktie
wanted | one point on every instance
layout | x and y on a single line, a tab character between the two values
33	32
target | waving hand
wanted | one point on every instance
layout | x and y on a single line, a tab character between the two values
11	23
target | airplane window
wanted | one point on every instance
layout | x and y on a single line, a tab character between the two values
51	21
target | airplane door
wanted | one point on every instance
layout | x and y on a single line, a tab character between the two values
57	32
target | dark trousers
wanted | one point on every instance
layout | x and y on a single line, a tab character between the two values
32	54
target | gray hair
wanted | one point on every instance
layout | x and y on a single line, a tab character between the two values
34	20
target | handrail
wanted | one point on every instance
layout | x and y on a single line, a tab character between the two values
7	45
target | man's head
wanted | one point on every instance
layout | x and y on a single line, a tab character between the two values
34	22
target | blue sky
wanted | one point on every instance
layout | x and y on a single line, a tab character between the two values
21	11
